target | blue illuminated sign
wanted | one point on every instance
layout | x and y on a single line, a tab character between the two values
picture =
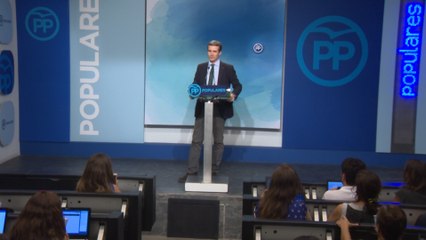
409	47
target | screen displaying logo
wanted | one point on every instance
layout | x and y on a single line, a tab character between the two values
6	72
332	51
258	48
5	22
42	23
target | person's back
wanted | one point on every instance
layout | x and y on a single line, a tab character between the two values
349	169
390	225
414	190
98	175
284	198
41	218
365	207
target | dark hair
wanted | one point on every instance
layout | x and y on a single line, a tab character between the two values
415	175
215	43
391	222
41	218
350	167
97	175
368	186
285	185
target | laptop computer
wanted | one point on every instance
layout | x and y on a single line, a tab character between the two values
77	222
334	185
3	217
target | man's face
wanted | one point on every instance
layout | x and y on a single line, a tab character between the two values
214	53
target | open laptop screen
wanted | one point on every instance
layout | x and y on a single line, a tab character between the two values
77	221
3	217
334	185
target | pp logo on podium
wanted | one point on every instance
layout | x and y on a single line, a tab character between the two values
194	90
42	23
332	51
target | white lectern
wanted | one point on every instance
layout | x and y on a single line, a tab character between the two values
207	183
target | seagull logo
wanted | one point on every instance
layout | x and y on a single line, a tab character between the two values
42	23
332	51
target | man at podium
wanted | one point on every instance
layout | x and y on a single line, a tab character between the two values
213	72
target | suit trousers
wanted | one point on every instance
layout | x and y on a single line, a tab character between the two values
197	141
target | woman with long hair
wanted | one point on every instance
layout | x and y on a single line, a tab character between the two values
284	198
41	218
98	175
368	187
414	189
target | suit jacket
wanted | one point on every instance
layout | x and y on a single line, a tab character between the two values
227	77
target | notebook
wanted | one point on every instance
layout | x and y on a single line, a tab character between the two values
77	222
3	217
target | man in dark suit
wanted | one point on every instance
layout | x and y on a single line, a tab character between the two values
213	72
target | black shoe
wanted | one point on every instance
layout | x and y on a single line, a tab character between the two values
184	177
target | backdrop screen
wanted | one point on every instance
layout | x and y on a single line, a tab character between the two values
177	33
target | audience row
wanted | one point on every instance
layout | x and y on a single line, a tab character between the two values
42	216
284	198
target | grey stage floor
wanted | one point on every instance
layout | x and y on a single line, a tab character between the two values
167	172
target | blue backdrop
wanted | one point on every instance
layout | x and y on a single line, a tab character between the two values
332	74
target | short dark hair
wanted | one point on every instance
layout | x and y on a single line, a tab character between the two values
391	222
215	43
350	167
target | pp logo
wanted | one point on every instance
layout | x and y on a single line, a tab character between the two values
6	72
332	51
194	90
42	23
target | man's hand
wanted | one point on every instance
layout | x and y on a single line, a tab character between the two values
231	97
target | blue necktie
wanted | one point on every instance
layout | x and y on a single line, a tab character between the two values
211	76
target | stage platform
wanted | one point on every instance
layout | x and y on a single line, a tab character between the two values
167	173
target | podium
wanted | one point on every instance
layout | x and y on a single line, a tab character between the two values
207	183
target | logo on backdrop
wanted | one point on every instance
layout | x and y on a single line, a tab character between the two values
332	51
42	23
258	48
6	72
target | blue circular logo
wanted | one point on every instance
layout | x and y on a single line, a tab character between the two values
257	48
42	23
332	51
7	123
194	90
6	72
